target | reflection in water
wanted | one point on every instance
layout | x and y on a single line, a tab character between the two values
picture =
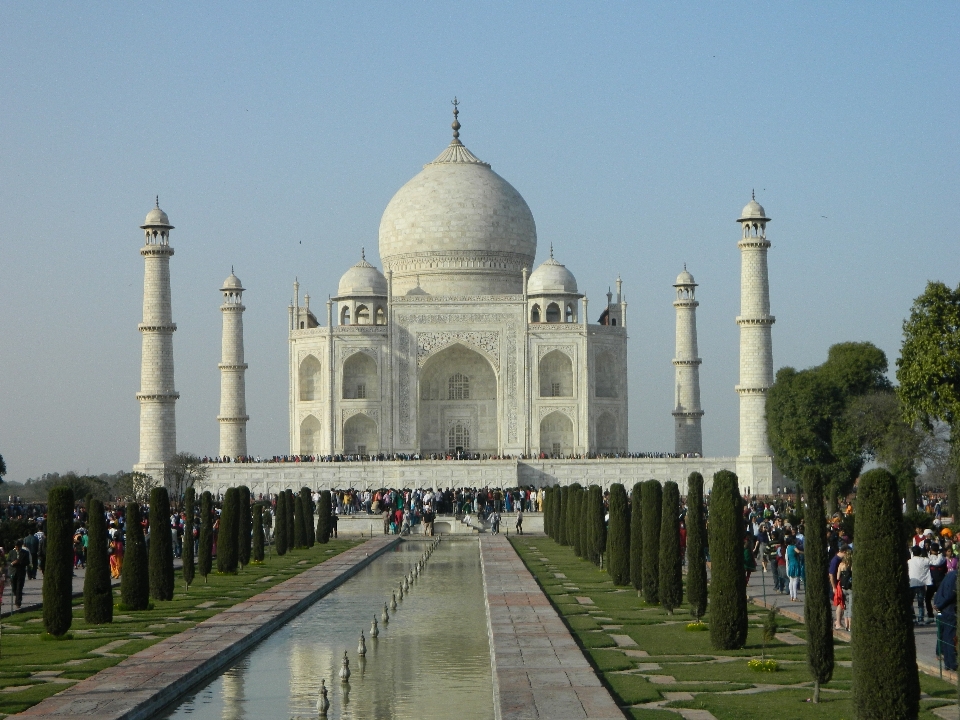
431	662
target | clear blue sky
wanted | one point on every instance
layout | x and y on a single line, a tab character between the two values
276	133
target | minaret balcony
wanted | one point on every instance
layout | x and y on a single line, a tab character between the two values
692	362
762	320
165	327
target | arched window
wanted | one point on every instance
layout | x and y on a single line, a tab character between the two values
458	387
458	438
605	375
553	313
345	315
569	314
381	318
363	315
535	314
311	379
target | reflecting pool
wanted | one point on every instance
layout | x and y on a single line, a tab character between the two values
430	662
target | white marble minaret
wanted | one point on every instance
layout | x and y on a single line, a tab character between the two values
756	350
233	404
688	435
157	396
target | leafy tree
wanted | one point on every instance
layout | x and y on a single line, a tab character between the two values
280	531
885	681
184	471
258	535
928	369
652	499
618	557
598	526
807	417
308	525
769	632
3	468
696	555
97	592
205	545
243	527
671	565
135	576
135	487
58	572
161	546
324	509
190	504
228	539
728	586
636	537
816	604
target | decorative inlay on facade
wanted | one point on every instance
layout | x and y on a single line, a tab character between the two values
572	328
301	356
348	350
442	299
568	350
487	341
512	393
304	413
460	259
359	330
404	340
569	410
371	413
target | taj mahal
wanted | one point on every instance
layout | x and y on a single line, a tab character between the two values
460	348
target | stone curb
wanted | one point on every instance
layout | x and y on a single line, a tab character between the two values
154	678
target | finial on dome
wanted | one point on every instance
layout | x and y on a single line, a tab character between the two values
456	123
157	203
231	269
684	267
551	251
363	253
418	280
753	193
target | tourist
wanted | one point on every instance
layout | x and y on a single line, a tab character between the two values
794	568
519	524
32	543
19	563
749	560
918	568
938	570
945	602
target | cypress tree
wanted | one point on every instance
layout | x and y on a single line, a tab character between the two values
229	536
309	526
652	498
205	544
618	536
696	557
571	518
671	570
243	527
562	510
598	527
258	536
547	495
323	517
135	577
299	519
636	537
583	527
885	681
280	524
817	616
576	528
161	546
97	592
291	519
190	506
58	571
728	586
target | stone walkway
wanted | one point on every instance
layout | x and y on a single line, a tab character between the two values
538	669
144	683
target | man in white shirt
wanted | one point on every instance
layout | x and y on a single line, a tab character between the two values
918	568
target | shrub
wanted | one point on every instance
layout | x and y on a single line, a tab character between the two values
636	537
696	554
280	524
243	527
97	592
58	572
309	529
885	681
618	558
299	519
671	570
190	506
728	586
205	545
817	614
161	546
323	517
652	499
229	535
258	536
135	576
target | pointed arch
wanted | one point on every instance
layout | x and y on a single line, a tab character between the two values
556	434
361	435
605	373
310	435
310	378
360	378
556	374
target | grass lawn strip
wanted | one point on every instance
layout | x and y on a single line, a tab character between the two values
50	666
671	668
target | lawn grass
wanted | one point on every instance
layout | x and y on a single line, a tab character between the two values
679	661
22	654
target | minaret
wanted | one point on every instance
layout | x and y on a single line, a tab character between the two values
756	347
688	435
233	404
157	396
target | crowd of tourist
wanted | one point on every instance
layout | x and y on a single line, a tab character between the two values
407	457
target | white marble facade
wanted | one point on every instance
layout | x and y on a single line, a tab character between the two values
458	346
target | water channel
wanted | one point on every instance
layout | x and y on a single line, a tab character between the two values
431	662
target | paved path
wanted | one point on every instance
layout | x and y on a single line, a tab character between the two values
538	670
761	585
144	683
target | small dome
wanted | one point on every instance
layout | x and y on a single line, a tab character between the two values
156	218
362	279
417	291
753	211
551	277
684	278
232	283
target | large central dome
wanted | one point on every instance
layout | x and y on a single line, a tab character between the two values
457	228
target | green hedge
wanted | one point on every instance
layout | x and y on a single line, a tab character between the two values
161	546
228	539
671	578
58	572
618	557
97	591
652	498
636	537
728	586
135	576
190	511
696	552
